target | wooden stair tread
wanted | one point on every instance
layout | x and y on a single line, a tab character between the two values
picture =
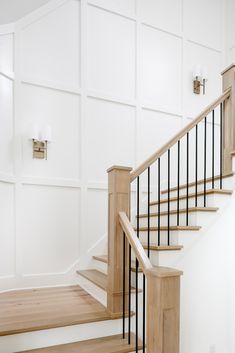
101	258
110	344
97	277
172	228
200	193
163	247
104	259
47	308
199	182
182	210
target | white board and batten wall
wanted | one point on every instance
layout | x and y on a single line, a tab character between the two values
113	78
114	81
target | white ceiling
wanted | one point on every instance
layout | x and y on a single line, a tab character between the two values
12	10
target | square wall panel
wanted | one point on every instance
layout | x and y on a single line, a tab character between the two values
61	111
232	55
7	236
211	59
231	26
6	50
49	229
51	46
111	54
164	14
110	129
125	7
97	211
204	22
154	130
6	124
161	70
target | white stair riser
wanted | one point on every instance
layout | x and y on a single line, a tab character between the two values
212	200
57	336
194	219
227	183
174	236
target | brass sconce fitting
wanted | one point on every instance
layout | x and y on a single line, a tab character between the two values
200	77
39	149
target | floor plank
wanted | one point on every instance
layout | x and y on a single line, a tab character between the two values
39	309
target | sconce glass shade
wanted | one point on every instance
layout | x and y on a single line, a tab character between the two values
197	72
35	133
46	134
205	73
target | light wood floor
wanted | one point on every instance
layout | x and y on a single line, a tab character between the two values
111	344
38	309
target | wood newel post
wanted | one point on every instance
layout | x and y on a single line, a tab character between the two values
118	200
229	117
163	310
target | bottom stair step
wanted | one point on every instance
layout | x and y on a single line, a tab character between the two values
98	278
110	344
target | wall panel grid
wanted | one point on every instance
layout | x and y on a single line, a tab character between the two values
105	74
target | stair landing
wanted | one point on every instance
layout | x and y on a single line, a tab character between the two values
41	309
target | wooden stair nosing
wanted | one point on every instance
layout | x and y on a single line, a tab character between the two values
182	210
199	182
163	247
109	344
104	259
98	278
171	228
200	193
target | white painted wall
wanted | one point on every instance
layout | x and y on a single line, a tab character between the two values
114	80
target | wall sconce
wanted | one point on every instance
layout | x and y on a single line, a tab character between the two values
41	138
200	77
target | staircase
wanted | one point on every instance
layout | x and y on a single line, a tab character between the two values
128	298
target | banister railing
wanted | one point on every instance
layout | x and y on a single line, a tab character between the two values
196	159
155	156
163	296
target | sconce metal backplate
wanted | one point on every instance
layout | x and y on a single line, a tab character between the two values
39	149
196	86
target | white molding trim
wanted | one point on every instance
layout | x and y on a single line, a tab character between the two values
220	51
180	35
155	108
7	29
7	74
57	86
36	15
7	178
121	14
110	98
56	182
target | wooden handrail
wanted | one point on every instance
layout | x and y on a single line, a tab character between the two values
139	170
136	245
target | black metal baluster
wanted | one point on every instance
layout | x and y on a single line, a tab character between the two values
148	211
159	204
187	178
136	270
168	200
178	186
205	123
221	144
136	305
144	313
213	150
196	162
124	285
129	298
